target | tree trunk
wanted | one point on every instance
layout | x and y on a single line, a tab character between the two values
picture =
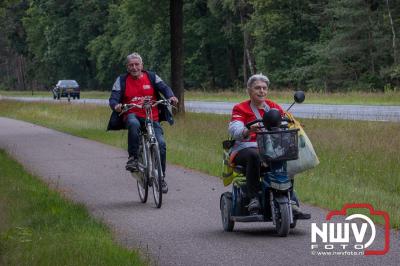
371	44
22	71
245	75
248	57
210	67
176	24
393	34
233	73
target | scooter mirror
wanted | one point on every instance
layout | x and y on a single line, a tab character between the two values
299	96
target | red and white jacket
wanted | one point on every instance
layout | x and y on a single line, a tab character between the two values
241	115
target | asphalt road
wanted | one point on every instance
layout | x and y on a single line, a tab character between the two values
187	229
325	111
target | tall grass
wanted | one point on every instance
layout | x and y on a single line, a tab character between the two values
359	159
38	227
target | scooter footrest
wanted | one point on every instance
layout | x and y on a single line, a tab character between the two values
302	218
248	219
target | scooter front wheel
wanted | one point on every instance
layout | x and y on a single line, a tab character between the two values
282	223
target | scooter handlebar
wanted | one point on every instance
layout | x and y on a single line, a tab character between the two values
248	125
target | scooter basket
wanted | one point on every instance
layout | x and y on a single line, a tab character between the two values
278	145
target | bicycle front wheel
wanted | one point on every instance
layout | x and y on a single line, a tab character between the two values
142	180
157	175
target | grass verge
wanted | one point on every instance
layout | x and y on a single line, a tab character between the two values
282	96
39	227
359	159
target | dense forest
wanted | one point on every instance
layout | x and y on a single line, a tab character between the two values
335	45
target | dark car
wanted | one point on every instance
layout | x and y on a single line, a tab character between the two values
66	88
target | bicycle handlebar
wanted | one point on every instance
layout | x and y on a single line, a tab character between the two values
128	106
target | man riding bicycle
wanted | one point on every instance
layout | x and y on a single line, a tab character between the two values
134	87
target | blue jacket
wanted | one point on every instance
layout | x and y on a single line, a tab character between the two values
118	91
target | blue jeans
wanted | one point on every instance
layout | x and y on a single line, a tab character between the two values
133	124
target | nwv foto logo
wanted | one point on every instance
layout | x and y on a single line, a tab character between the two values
345	236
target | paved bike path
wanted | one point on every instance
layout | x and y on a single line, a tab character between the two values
187	229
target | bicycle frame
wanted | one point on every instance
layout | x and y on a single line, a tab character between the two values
148	140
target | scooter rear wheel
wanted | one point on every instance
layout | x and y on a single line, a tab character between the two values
226	212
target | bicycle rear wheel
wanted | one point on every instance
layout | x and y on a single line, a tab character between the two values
157	175
142	180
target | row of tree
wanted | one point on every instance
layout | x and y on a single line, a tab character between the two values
313	44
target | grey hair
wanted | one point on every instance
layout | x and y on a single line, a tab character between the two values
132	56
255	78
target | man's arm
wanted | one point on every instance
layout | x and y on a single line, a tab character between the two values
115	96
165	90
236	128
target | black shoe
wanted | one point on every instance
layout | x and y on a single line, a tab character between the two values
132	165
299	215
164	187
254	206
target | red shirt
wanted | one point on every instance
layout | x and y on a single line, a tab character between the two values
242	112
136	91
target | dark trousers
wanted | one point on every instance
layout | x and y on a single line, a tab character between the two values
133	125
249	159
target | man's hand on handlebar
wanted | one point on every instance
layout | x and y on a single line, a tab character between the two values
255	128
252	128
173	100
118	108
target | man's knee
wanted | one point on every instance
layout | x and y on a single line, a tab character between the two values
132	123
253	156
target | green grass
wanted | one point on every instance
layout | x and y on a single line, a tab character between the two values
284	96
39	227
359	159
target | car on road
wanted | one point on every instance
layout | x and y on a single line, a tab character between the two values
66	88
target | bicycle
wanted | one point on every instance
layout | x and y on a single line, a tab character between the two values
149	172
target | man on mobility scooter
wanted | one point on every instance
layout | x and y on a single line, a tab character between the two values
244	152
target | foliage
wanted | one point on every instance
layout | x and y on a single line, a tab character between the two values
335	45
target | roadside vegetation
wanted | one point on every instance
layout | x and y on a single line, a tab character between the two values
359	159
334	45
281	96
39	227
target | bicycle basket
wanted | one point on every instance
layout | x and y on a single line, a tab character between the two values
278	145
